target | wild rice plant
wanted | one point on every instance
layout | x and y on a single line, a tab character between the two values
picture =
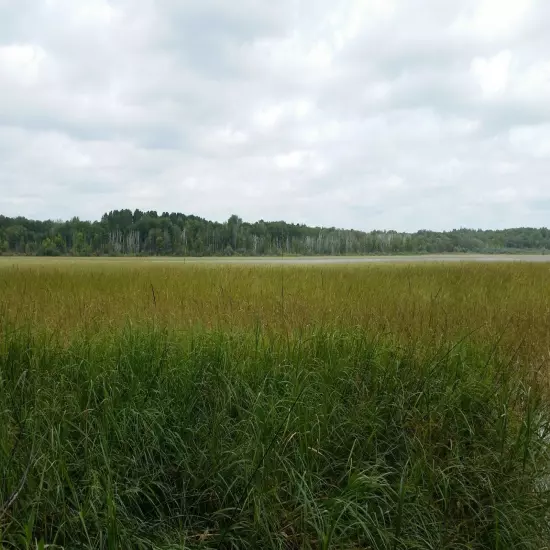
388	408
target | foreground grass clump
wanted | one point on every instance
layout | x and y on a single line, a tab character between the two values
145	438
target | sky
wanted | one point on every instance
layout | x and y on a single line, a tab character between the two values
366	114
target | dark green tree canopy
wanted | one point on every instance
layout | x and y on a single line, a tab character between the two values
123	232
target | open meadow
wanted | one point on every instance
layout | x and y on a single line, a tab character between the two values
171	405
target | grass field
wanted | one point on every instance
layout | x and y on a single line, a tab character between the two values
169	405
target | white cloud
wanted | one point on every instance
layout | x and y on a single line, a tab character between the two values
291	160
21	64
362	113
267	117
492	73
491	19
531	140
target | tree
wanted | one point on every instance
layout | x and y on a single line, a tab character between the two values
137	232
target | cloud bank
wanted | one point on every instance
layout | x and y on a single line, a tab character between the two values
362	113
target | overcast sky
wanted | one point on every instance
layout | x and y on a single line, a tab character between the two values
402	114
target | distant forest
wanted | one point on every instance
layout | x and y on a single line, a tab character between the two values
123	232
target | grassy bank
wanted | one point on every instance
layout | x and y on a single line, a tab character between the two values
238	407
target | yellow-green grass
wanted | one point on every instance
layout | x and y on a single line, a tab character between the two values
174	405
416	303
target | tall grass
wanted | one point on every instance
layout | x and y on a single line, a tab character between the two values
428	303
359	416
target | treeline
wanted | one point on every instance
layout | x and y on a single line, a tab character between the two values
123	232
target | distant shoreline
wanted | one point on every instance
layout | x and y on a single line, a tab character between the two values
290	260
